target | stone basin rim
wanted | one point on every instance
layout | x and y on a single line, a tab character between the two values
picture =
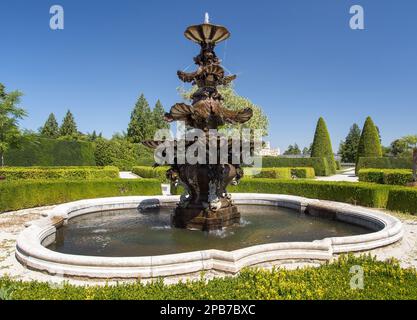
32	253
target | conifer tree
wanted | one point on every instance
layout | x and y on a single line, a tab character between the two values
369	143
322	146
50	129
158	116
68	127
141	125
349	147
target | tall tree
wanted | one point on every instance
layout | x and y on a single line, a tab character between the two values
369	143
293	150
10	115
322	145
50	129
398	148
349	147
141	126
68	127
158	117
233	101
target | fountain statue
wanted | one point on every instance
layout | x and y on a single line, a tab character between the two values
205	205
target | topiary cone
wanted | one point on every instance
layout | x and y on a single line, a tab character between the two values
369	143
322	146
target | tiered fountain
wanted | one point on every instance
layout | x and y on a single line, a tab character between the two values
206	205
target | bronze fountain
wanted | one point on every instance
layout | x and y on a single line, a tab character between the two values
206	205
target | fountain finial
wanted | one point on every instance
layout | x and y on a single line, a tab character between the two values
206	18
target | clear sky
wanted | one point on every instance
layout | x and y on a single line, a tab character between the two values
298	59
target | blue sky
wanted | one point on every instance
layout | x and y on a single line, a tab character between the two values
298	59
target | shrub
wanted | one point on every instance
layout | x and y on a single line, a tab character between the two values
150	172
330	281
369	143
320	165
338	165
322	146
16	195
275	173
403	200
386	176
371	175
303	173
51	152
384	163
398	177
365	194
286	173
69	173
122	154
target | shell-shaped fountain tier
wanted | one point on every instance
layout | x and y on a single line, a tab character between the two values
207	33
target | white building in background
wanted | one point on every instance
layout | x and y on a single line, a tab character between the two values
268	151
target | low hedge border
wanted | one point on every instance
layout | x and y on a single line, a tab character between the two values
303	173
384	281
365	194
283	173
16	195
383	163
320	165
271	173
69	173
386	176
152	173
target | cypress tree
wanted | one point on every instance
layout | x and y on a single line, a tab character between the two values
50	129
369	143
349	147
68	127
322	146
158	116
141	122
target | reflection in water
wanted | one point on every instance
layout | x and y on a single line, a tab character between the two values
126	233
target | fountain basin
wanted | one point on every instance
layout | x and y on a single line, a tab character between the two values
32	243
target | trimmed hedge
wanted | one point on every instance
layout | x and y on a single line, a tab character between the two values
386	176
322	146
365	194
271	173
275	173
320	165
86	173
330	281
51	152
303	173
369	143
283	173
150	172
16	195
384	163
403	200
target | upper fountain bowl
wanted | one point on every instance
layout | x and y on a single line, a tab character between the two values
207	33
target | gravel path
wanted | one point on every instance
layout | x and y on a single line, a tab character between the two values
348	175
128	175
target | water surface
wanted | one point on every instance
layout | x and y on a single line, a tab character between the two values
126	233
